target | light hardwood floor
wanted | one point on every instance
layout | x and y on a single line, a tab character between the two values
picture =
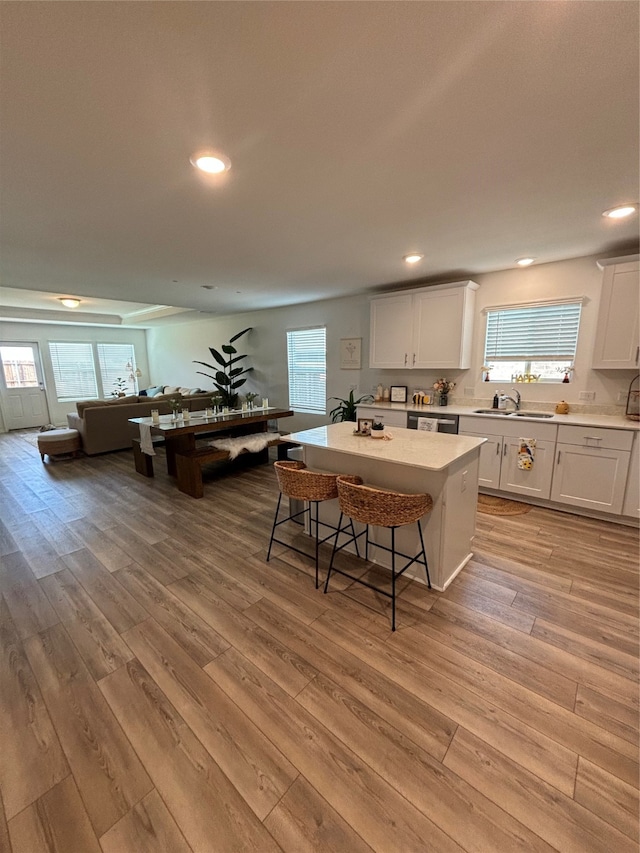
163	688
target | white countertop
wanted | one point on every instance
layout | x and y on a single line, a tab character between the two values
433	451
595	420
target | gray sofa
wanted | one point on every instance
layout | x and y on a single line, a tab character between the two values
104	424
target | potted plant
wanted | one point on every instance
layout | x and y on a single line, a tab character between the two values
346	410
227	380
377	429
119	387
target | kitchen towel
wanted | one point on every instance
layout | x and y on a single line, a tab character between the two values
428	424
526	453
146	444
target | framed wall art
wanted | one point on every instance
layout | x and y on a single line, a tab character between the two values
350	353
398	394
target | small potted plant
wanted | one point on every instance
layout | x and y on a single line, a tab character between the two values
377	429
346	410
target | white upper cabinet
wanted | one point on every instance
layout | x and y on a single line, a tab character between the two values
617	333
427	328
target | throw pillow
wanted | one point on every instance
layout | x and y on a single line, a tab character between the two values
170	389
154	390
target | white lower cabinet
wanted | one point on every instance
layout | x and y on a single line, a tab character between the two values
389	417
591	468
631	504
499	456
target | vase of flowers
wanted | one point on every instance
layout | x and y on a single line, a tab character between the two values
176	407
444	388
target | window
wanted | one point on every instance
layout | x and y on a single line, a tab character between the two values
116	368
532	342
73	371
307	362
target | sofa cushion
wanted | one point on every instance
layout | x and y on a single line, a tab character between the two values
154	390
170	389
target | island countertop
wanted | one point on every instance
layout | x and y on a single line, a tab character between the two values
431	451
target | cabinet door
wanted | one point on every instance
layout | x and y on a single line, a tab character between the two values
535	481
391	343
617	334
490	460
442	327
590	477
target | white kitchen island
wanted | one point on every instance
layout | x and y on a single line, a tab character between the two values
444	466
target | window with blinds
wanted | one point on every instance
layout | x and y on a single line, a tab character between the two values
74	371
537	341
307	364
117	368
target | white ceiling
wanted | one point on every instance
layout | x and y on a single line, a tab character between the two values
475	132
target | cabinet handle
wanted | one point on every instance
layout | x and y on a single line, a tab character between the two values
414	358
406	355
593	438
497	448
558	459
504	452
637	353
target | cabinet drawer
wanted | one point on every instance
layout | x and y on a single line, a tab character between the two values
387	416
588	436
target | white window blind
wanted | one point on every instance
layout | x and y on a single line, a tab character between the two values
531	333
113	360
73	371
307	362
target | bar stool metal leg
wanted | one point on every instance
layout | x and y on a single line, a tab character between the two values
424	555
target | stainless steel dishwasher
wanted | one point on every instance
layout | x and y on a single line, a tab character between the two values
445	423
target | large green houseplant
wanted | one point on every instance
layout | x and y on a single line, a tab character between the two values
227	376
346	410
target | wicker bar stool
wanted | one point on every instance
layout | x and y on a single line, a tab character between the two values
296	481
381	508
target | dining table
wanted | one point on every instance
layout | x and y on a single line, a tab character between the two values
180	433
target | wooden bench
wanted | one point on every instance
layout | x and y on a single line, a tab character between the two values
189	464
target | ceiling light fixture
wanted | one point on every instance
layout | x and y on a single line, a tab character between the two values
525	262
211	162
621	211
412	258
69	301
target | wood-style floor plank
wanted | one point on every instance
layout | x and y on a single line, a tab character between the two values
613	800
562	822
303	822
147	828
27	603
110	777
375	810
204	804
56	823
32	760
249	760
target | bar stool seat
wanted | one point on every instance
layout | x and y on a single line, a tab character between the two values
371	505
297	482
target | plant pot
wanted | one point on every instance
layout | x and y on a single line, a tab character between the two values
377	433
444	399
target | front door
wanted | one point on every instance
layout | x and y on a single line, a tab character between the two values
24	403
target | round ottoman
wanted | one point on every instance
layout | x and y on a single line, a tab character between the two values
57	441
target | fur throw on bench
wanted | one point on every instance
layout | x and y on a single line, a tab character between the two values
251	443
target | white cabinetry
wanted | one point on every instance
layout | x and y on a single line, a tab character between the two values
631	504
426	328
591	467
389	417
617	333
499	456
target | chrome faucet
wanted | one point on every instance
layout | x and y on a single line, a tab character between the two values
516	400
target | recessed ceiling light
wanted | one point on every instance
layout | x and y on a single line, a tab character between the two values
621	211
412	258
69	302
525	262
211	162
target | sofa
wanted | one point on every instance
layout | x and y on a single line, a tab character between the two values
104	424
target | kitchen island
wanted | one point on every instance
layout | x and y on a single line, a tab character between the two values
444	466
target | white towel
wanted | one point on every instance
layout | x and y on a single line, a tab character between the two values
146	445
428	424
253	443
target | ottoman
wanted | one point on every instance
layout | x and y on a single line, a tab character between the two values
57	441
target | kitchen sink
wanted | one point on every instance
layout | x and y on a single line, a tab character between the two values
512	414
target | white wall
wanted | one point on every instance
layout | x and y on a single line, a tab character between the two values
42	333
172	349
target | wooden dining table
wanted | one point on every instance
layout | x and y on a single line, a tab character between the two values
180	435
